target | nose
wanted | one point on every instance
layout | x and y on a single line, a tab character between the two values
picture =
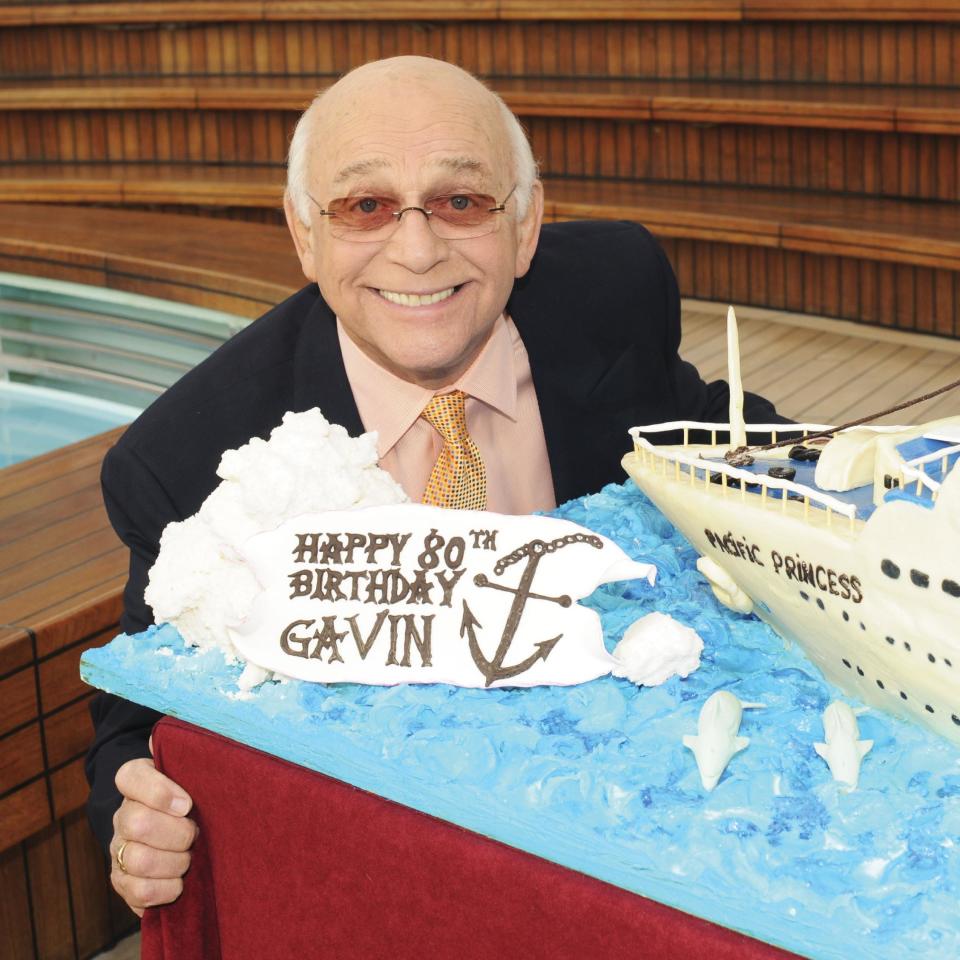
413	244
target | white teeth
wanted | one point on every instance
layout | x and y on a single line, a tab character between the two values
416	299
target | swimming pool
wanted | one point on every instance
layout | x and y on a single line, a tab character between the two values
34	420
76	360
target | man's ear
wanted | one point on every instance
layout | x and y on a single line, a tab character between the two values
302	238
528	230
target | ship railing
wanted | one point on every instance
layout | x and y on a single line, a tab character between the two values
699	471
771	430
913	470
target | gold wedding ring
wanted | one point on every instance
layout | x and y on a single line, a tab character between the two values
120	850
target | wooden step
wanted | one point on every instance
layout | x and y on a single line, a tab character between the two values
869	141
241	268
891	230
49	11
894	230
822	106
893	263
890	52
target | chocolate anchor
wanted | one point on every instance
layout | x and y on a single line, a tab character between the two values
494	669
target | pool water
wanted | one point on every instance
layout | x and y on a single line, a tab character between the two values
76	360
35	420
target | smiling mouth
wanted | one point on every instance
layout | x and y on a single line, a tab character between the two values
418	299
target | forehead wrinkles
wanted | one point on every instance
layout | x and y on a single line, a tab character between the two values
410	142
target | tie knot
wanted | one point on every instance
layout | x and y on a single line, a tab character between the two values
447	415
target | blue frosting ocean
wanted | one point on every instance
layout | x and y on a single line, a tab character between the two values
595	777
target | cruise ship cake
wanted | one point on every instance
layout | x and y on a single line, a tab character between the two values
844	541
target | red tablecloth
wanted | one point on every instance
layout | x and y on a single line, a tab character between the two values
293	864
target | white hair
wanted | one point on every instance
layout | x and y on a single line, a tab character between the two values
298	159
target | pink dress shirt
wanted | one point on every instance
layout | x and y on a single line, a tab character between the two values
503	419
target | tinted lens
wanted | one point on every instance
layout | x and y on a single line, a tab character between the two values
462	209
458	216
363	213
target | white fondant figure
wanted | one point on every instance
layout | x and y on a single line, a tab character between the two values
724	587
716	741
843	751
655	648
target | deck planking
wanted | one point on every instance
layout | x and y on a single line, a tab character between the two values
822	370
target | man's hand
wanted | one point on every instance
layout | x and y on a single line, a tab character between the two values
152	836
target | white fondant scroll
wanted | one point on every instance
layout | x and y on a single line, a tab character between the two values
416	594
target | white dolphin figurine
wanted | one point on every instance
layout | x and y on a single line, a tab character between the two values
842	751
716	740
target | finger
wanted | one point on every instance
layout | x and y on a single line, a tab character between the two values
140	823
140	893
140	860
140	780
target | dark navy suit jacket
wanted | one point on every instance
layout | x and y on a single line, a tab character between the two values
599	314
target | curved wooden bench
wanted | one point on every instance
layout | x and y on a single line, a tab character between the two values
848	107
891	262
854	235
241	268
219	10
849	51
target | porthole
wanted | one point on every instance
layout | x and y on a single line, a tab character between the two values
928	708
951	587
955	719
906	646
931	658
890	569
903	696
880	685
860	671
846	616
820	603
804	595
846	663
891	641
919	578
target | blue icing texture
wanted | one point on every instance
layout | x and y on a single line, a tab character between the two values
596	777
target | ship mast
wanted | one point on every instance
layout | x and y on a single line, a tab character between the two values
738	430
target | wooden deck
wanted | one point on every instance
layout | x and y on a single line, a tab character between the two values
825	371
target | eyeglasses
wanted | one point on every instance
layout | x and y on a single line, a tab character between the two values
457	216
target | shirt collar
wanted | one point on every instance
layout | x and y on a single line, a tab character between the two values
491	379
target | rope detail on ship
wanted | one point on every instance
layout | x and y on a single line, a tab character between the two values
741	456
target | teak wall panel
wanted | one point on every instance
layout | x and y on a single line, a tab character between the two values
797	158
811	51
49	884
62	874
23	812
18	696
16	933
922	299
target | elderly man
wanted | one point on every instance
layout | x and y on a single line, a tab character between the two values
416	212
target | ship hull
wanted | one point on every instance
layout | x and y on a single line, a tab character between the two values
872	603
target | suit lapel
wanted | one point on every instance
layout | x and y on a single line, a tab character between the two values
320	379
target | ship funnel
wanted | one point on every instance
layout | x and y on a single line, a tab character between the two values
738	430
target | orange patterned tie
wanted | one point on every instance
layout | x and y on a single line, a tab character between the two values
458	479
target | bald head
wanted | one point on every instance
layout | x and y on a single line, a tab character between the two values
387	87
